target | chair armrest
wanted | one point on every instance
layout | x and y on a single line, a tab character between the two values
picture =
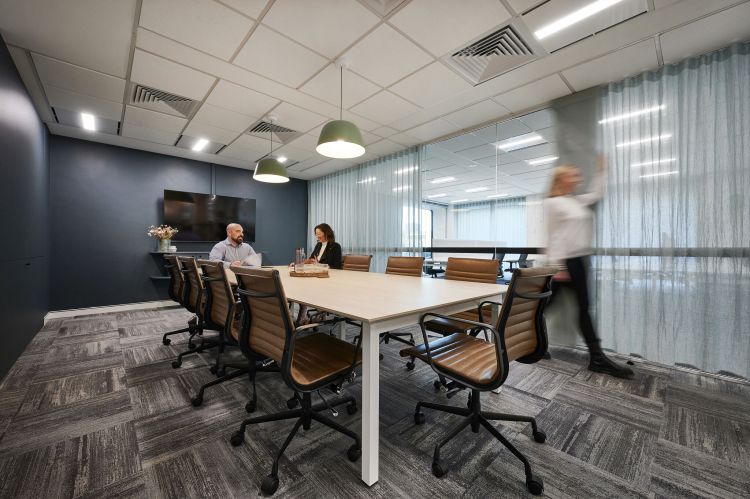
311	325
481	306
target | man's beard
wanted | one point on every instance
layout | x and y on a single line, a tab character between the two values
238	240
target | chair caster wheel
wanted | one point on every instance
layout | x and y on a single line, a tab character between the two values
196	401
176	364
535	485
237	439
166	341
540	436
380	356
192	346
386	339
437	384
418	418
438	469
410	365
269	485
251	406
221	372
213	369
351	409
354	453
292	403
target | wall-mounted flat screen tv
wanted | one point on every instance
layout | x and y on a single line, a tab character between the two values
204	217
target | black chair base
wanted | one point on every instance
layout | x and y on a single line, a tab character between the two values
305	415
240	370
475	417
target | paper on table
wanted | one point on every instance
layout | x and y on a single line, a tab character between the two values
253	260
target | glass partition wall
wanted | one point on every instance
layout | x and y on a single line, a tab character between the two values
483	187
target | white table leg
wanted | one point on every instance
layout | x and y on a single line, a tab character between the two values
370	403
341	330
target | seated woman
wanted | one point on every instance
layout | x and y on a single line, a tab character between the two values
327	250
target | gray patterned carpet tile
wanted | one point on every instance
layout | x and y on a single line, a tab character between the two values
94	408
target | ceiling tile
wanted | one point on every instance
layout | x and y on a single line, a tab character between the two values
294	154
384	131
616	66
237	152
149	134
28	75
481	112
710	33
385	107
251	8
544	118
143	118
555	9
521	6
384	147
533	94
432	130
405	139
207	26
210	132
248	148
76	102
89	33
305	141
362	122
276	57
169	76
296	118
318	25
430	85
240	99
385	56
326	86
78	79
442	26
223	118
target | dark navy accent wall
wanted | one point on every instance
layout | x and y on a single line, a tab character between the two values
103	198
24	189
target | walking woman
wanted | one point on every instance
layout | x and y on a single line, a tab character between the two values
570	221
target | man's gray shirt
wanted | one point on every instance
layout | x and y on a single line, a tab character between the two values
227	252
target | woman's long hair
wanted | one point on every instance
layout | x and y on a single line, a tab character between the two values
556	188
327	231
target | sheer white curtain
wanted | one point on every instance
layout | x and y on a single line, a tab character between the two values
678	143
501	220
374	209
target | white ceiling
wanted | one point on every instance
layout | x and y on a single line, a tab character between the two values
242	60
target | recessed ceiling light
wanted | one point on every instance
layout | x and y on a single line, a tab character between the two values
402	188
542	161
406	170
367	180
520	142
442	180
675	172
433	196
633	114
573	18
651	163
645	140
498	196
88	121
477	189
282	159
200	145
459	200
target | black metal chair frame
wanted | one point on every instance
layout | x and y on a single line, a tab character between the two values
192	328
473	414
307	412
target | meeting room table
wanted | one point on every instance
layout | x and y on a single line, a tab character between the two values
382	303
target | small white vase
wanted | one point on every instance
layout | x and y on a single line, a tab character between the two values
164	245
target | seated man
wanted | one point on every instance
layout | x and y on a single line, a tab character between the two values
233	251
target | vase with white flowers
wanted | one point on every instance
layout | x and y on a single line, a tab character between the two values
164	234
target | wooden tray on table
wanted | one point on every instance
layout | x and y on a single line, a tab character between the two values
308	274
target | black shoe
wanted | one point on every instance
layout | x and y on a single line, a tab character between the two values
600	363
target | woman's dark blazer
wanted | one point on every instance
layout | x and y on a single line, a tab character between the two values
331	255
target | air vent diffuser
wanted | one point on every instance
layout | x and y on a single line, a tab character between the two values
492	55
281	134
159	100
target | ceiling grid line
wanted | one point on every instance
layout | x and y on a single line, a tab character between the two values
131	55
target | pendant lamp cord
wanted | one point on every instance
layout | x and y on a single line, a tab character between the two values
341	94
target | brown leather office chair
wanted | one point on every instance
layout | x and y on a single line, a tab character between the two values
360	263
480	365
178	291
405	266
308	362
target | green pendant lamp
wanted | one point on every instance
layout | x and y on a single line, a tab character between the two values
340	138
269	169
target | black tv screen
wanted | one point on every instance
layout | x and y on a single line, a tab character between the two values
204	217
